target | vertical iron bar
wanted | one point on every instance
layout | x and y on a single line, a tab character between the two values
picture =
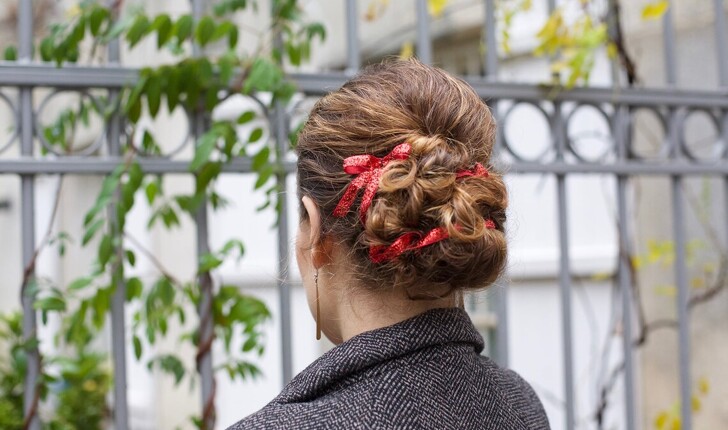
681	275
678	220
624	269
353	57
424	44
501	295
118	317
204	357
668	38
31	392
281	130
565	269
565	274
491	43
721	41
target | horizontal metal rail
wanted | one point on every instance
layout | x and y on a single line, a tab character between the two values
101	166
84	78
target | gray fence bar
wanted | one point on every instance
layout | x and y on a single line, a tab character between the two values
500	295
353	55
721	41
624	269
491	41
565	263
205	311
118	300
565	275
281	129
678	220
204	360
27	183
424	43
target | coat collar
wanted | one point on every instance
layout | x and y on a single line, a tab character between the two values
434	327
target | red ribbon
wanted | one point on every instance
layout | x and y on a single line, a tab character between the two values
368	169
478	170
382	253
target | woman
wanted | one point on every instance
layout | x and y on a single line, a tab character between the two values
399	217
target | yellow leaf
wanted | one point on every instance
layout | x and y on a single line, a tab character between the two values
666	290
676	424
703	385
74	11
696	403
638	262
697	283
407	51
436	7
661	420
655	10
602	276
612	50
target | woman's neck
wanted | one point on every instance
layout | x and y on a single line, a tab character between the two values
362	310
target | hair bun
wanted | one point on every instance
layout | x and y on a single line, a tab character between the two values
449	129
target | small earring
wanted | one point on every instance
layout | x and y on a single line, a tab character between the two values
318	307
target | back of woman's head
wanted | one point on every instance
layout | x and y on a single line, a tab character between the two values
424	194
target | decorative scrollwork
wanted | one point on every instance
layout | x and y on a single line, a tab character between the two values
15	131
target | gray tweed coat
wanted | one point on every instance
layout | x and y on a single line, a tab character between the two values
422	373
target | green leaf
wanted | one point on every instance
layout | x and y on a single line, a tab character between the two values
172	88
655	10
105	250
246	117
183	28
96	19
151	190
11	53
223	29
255	135
46	49
154	94
130	257
172	365
51	303
80	283
138	30
208	262
137	347
162	24
203	150
264	175
249	344
134	288
207	173
261	158
205	30
91	231
263	76
316	29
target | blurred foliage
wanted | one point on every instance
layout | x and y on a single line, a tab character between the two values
208	66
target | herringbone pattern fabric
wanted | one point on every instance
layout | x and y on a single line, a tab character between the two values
423	373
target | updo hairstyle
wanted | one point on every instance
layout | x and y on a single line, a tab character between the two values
449	129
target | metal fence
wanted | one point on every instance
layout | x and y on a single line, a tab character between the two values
618	106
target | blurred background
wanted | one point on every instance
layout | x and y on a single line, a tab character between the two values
148	205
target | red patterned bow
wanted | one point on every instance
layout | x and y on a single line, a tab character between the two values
379	254
478	170
368	169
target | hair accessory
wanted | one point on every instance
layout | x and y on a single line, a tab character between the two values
368	169
404	243
478	170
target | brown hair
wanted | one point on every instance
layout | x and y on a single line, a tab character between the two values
450	129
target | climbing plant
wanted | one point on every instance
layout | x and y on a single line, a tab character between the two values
210	63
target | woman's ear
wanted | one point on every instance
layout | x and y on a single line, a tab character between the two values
320	252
